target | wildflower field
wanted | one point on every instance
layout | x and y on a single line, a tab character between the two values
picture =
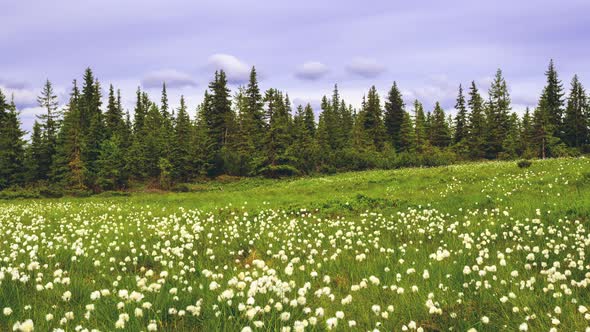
475	247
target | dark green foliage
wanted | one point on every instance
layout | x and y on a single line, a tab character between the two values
497	116
461	129
49	121
112	174
476	124
394	116
575	123
12	153
440	134
88	151
524	164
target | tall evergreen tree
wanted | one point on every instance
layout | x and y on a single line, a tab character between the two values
35	154
498	116
552	100
420	134
476	124
49	122
407	138
394	116
182	168
373	121
461	117
12	152
68	169
218	117
440	134
114	122
575	124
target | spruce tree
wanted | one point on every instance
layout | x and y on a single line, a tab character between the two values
440	135
552	100
218	118
460	118
394	116
35	154
372	120
575	124
476	124
181	159
49	122
111	174
526	134
420	135
12	152
68	168
114	122
497	117
407	138
253	117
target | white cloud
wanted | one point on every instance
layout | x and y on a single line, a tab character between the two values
365	67
173	79
23	97
311	70
237	71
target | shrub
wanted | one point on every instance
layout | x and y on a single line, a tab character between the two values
524	164
113	193
279	171
181	188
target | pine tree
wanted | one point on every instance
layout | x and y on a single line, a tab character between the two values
253	117
49	122
497	117
35	154
420	135
440	135
460	118
394	116
12	152
68	169
552	100
372	120
407	138
476	124
181	162
526	133
114	122
278	137
111	174
218	117
575	124
167	128
543	130
92	126
303	148
309	120
512	143
153	141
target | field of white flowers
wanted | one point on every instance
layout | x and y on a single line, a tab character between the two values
482	247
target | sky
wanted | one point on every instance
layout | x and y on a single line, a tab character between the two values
302	47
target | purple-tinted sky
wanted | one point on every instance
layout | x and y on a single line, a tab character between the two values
429	47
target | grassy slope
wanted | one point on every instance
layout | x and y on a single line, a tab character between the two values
559	188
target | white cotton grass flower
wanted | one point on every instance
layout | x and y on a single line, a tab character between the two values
7	311
26	326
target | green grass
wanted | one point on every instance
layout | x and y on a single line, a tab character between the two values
347	228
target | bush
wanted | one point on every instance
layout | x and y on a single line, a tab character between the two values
113	193
181	188
278	171
79	192
51	192
16	192
524	164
